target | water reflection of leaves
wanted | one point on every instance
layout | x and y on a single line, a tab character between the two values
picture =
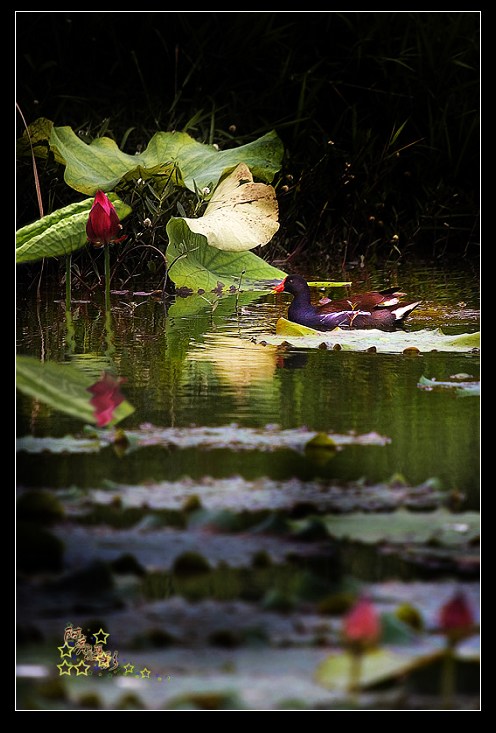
189	319
237	362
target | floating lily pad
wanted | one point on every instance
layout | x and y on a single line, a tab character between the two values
440	526
66	444
463	389
238	494
363	340
289	328
233	437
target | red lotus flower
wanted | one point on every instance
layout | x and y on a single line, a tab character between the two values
106	398
103	225
362	626
456	618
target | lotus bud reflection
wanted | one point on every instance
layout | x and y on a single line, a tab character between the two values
106	398
456	619
362	626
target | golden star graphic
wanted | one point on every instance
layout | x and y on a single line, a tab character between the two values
81	668
68	652
102	633
145	673
103	660
67	666
129	668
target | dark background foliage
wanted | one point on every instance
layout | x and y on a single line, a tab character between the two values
378	112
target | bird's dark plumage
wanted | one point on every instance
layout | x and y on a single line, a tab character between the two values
380	310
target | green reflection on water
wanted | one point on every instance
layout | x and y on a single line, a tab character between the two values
197	365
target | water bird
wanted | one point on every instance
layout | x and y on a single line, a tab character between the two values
381	310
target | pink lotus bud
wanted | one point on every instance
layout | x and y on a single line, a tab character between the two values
103	225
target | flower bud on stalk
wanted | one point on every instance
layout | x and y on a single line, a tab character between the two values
103	225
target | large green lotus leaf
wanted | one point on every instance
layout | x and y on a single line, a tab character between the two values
241	214
194	264
378	666
440	526
63	387
395	342
60	233
203	165
101	164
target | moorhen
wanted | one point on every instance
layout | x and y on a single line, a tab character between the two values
380	310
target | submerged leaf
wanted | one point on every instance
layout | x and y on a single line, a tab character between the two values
241	214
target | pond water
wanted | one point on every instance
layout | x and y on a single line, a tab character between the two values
203	369
204	362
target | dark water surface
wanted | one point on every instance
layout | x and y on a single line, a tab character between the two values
199	366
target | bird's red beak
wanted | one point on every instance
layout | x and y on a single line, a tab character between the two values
279	288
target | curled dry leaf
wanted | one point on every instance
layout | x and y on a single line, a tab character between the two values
241	214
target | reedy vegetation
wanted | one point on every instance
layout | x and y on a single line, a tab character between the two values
378	112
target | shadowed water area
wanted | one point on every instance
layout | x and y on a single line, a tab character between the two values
217	496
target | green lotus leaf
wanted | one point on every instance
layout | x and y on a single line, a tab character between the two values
60	233
102	165
194	264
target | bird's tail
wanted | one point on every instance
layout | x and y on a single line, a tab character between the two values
403	311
